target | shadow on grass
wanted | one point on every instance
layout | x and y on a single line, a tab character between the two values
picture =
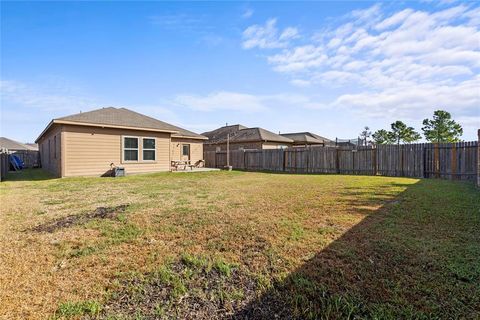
29	175
415	257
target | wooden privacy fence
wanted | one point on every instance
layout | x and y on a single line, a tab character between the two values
422	160
30	158
3	165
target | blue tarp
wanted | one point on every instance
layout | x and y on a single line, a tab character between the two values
16	162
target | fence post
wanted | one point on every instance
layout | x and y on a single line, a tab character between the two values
337	161
436	161
402	171
307	150
374	160
453	170
244	160
478	159
425	160
353	161
295	160
1	166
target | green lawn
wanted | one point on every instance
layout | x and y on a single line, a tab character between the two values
238	245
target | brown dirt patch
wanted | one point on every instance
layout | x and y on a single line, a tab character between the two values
183	291
78	219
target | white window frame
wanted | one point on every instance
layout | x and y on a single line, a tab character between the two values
123	149
155	149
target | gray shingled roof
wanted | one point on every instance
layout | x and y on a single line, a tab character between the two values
239	133
127	118
307	137
12	144
260	134
220	134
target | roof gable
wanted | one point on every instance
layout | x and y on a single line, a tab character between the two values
124	118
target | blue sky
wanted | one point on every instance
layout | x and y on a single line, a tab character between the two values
326	67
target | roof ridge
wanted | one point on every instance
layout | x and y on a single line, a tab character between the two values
124	118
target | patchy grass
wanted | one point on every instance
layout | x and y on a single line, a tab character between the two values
236	244
68	310
190	288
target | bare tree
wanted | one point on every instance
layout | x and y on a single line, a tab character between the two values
365	135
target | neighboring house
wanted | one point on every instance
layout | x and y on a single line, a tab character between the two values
32	146
14	146
241	137
304	139
26	152
87	143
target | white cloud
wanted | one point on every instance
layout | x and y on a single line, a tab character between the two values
244	102
221	100
300	58
268	36
288	33
247	13
368	15
300	83
394	20
390	64
407	101
473	17
438	45
42	97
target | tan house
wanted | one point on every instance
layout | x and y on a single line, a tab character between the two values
305	139
241	137
87	143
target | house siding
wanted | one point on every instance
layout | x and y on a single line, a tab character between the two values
196	149
91	150
275	145
245	145
51	151
233	146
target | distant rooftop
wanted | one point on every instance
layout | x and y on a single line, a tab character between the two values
15	145
307	138
240	133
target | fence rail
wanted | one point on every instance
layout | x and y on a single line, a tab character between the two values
456	161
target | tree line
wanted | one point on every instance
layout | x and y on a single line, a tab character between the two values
440	129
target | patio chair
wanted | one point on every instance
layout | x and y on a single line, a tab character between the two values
197	164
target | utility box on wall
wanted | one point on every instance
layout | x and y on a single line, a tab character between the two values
119	172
